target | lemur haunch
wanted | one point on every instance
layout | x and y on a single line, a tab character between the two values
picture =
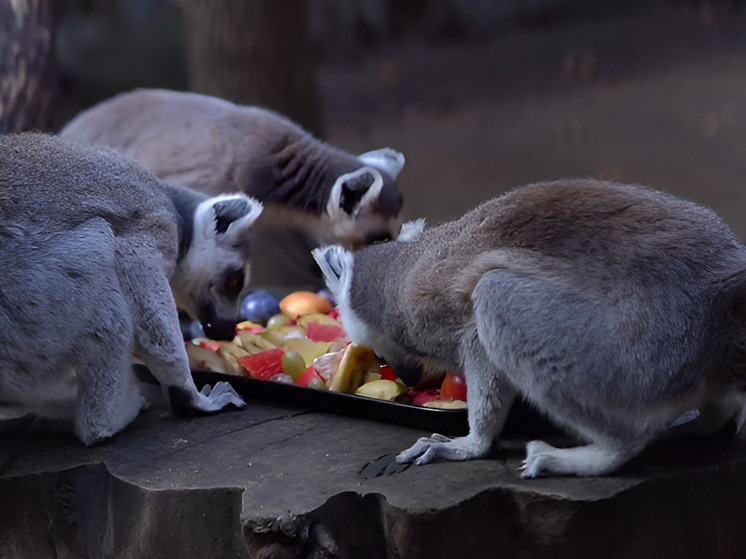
95	253
616	310
215	146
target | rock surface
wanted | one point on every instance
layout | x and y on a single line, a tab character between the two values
277	482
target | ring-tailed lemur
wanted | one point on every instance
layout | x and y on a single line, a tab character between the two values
616	310
325	195
95	254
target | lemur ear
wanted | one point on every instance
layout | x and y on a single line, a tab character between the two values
227	217
353	191
388	160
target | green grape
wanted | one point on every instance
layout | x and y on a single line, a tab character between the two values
293	364
277	321
318	383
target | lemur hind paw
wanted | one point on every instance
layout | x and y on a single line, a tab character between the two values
427	448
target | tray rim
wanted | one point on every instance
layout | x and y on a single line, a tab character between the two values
449	422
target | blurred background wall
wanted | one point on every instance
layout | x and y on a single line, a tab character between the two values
479	95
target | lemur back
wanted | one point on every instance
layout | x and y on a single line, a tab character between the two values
615	309
89	245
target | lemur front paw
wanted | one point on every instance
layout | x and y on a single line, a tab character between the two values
427	448
217	397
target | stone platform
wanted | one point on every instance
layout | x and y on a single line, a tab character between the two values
279	482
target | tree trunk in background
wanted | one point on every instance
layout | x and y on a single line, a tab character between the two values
26	65
254	52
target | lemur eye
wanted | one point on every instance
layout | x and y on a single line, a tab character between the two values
233	284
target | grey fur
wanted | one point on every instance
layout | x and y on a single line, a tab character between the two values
89	252
616	310
215	146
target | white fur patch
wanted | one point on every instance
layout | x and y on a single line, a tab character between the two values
210	252
205	214
388	160
411	230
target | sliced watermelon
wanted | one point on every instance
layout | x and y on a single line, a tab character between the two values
263	365
324	332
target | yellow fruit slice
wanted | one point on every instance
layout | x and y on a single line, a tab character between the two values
370	376
204	359
253	343
446	404
356	361
278	336
382	389
231	353
308	350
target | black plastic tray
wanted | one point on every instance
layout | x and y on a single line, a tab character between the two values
448	422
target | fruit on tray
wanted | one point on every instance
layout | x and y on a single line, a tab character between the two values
306	345
300	303
293	364
382	389
453	387
204	359
311	378
356	361
263	365
324	332
259	306
445	404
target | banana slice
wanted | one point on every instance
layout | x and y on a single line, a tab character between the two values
356	361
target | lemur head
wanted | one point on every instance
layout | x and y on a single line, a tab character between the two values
364	204
214	266
359	316
337	264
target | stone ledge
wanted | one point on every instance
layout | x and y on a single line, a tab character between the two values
280	482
